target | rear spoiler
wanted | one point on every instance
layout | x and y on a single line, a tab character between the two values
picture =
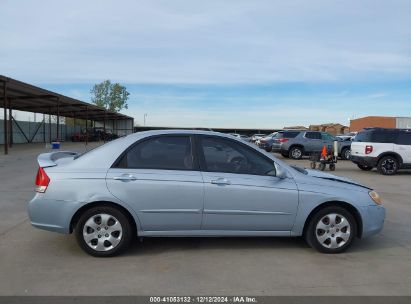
49	159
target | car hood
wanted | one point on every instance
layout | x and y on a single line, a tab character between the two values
334	178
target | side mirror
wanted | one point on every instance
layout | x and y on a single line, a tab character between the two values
280	172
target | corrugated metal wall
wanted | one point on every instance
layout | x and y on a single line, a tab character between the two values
120	127
43	132
404	122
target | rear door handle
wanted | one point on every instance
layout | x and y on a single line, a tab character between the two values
220	181
125	177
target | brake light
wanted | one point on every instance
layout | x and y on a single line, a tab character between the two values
283	140
368	149
42	181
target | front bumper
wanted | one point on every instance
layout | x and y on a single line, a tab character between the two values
373	217
364	160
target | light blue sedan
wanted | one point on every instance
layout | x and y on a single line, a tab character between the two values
195	183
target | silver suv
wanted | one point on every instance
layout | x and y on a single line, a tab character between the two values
307	142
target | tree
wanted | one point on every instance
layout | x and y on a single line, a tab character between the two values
111	96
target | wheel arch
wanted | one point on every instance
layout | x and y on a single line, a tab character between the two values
349	207
87	206
393	154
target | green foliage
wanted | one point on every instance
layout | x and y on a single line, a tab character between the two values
111	96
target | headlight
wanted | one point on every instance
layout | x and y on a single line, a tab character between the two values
375	197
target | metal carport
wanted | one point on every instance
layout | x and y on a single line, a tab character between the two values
17	95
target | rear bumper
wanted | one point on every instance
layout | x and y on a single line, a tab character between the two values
51	215
364	160
373	217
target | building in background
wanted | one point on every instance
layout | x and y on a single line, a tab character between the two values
380	122
332	128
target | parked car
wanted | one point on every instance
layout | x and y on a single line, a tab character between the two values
280	138
195	183
93	134
307	142
256	137
266	141
386	149
241	136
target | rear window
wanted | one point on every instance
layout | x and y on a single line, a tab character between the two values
288	134
313	135
377	136
404	138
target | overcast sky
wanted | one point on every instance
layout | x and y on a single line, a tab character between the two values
226	63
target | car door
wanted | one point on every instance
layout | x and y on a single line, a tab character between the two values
313	141
242	192
159	178
403	146
328	141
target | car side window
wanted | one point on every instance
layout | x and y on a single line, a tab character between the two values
326	136
313	135
163	152
221	155
404	138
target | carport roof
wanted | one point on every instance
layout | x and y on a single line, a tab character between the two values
27	97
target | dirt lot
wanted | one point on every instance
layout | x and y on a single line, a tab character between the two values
35	262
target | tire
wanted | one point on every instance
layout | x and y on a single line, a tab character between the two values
103	219
388	165
331	230
345	154
364	167
268	149
332	167
296	153
313	165
284	154
321	166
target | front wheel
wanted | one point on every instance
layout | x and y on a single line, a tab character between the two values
268	149
331	230
346	154
103	231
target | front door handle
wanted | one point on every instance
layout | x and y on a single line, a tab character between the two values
220	181
125	177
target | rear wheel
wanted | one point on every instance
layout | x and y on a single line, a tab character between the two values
388	165
364	167
296	153
331	230
103	231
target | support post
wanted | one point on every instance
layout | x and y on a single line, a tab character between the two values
6	147
104	126
44	128
86	139
50	124
58	119
10	125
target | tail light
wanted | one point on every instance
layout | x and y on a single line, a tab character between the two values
283	140
42	181
368	149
